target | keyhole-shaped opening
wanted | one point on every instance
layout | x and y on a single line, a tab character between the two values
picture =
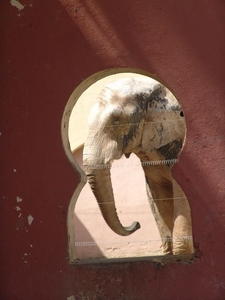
126	125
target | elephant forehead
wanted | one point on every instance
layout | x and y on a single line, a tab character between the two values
100	114
102	111
131	86
110	110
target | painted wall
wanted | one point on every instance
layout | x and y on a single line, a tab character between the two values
48	48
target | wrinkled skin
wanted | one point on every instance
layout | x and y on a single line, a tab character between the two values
139	116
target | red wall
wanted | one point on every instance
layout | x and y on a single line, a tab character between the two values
47	49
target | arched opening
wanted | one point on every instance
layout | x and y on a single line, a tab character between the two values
94	240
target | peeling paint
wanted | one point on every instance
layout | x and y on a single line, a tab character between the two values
31	246
25	257
17	208
19	215
18	199
70	298
17	4
30	219
14	170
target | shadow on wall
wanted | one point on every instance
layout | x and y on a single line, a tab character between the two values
99	21
86	247
103	35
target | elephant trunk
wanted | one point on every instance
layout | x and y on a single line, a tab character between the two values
99	179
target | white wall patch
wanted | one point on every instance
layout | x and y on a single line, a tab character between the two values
18	199
70	298
30	219
17	4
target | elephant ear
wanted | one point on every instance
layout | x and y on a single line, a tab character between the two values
163	123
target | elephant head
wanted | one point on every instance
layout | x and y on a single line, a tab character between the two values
136	115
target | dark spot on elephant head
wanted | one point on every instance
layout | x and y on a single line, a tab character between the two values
152	99
175	108
142	100
171	150
134	122
158	96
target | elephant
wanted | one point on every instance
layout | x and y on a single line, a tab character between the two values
138	115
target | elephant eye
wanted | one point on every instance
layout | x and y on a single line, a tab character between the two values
116	122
